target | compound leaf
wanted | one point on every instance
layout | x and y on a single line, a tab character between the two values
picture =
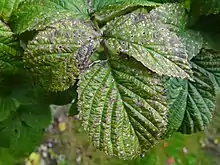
36	15
53	53
123	107
150	43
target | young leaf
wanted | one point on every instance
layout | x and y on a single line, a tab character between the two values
7	53
53	53
7	7
36	15
123	107
150	43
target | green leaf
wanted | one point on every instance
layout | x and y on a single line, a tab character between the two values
20	138
101	5
7	53
55	53
191	102
6	157
193	42
73	109
211	40
36	15
7	7
171	15
150	43
200	102
36	116
7	105
26	143
209	62
123	107
108	10
206	7
177	96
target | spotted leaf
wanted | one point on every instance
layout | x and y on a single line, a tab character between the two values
150	43
193	42
123	107
52	54
171	15
36	15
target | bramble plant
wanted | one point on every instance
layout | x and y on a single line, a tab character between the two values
136	70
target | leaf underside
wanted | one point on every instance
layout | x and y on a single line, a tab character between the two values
123	107
56	52
153	45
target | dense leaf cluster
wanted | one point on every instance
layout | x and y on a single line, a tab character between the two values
138	70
